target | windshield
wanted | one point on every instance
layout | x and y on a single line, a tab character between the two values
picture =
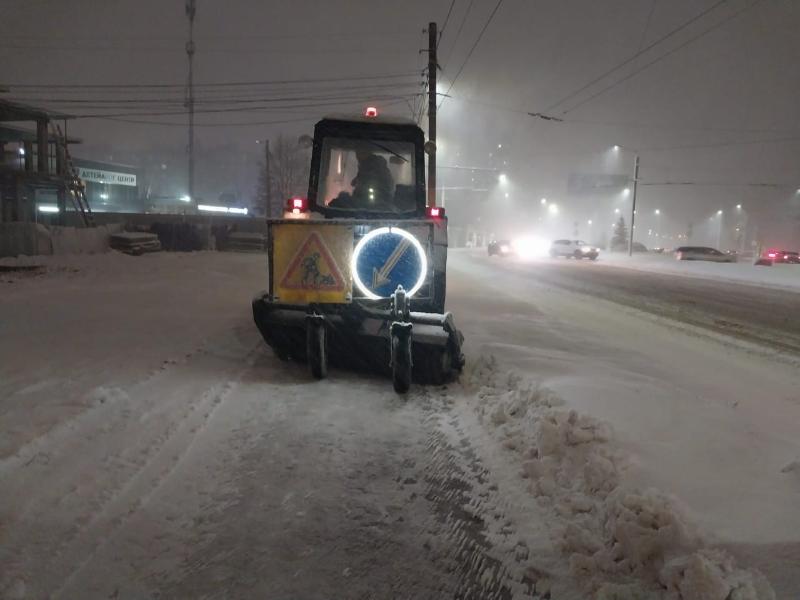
360	174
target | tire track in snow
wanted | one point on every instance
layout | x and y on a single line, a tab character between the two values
139	456
481	545
136	493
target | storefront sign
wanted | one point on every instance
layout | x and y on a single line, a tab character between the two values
107	177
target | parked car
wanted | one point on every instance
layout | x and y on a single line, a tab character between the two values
500	248
784	256
573	249
703	253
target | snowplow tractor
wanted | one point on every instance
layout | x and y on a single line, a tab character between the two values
357	268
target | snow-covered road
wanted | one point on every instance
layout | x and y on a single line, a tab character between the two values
152	447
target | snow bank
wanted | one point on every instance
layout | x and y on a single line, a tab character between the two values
623	543
782	276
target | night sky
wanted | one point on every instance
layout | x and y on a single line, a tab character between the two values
718	104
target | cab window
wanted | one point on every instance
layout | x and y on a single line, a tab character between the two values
367	175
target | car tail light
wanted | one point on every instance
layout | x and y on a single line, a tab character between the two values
297	205
371	111
435	212
772	255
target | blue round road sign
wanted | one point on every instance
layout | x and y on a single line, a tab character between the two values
386	258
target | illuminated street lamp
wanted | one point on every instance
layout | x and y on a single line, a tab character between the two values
502	178
553	208
626	192
544	200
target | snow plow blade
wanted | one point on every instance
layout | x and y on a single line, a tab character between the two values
359	338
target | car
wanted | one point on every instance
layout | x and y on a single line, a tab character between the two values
500	248
573	249
784	256
703	253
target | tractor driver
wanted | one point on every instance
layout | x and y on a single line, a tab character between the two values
373	185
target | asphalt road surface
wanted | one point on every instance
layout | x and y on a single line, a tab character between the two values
766	316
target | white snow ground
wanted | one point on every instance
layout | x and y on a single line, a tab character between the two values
784	276
152	445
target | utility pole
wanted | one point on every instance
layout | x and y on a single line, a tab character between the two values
268	183
189	103
633	204
432	67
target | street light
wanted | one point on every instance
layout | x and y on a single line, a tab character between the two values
738	207
544	201
719	212
553	209
658	211
626	192
502	178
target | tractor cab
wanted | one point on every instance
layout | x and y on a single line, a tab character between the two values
367	168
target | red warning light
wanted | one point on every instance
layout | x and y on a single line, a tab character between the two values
297	205
435	212
371	112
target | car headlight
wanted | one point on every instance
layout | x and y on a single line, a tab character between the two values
504	249
586	249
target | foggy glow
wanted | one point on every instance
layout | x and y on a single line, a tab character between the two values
719	212
544	200
528	247
553	209
626	191
658	211
186	198
222	209
502	178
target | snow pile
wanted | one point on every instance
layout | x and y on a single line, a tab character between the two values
622	543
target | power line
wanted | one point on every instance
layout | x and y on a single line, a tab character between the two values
665	55
341	102
210	84
471	50
629	60
721	184
446	20
458	33
313	117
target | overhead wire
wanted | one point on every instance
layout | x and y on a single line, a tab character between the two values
446	21
458	33
208	84
658	59
472	49
639	53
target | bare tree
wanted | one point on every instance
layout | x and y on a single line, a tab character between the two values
289	169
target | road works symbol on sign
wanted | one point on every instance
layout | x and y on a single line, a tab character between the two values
381	277
313	268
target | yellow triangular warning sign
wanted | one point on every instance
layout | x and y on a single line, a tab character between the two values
313	268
